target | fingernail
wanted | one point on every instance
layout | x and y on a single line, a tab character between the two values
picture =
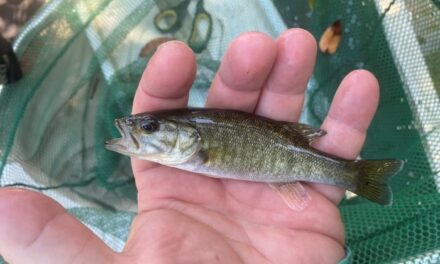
171	42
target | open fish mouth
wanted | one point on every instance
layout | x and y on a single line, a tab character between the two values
115	144
122	144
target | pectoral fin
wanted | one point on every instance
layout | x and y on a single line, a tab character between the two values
294	194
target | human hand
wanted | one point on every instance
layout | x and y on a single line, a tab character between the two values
185	217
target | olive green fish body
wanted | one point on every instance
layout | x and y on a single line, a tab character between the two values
245	147
238	145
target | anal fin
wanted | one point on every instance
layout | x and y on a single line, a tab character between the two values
294	194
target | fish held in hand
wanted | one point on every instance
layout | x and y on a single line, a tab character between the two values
231	144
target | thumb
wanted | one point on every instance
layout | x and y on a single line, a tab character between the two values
36	229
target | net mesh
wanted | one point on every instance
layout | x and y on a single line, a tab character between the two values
81	64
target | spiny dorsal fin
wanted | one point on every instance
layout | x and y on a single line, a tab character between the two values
308	132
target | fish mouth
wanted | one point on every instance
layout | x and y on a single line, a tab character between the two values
118	125
121	145
116	145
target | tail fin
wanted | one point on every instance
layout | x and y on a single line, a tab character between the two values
373	176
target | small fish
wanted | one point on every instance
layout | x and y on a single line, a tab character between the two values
237	145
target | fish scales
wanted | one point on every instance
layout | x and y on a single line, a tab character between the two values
248	148
238	145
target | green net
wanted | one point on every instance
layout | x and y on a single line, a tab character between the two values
81	64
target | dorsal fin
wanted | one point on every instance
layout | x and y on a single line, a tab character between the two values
308	132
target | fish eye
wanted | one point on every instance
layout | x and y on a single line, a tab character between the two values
149	125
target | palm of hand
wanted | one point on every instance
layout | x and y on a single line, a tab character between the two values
185	217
